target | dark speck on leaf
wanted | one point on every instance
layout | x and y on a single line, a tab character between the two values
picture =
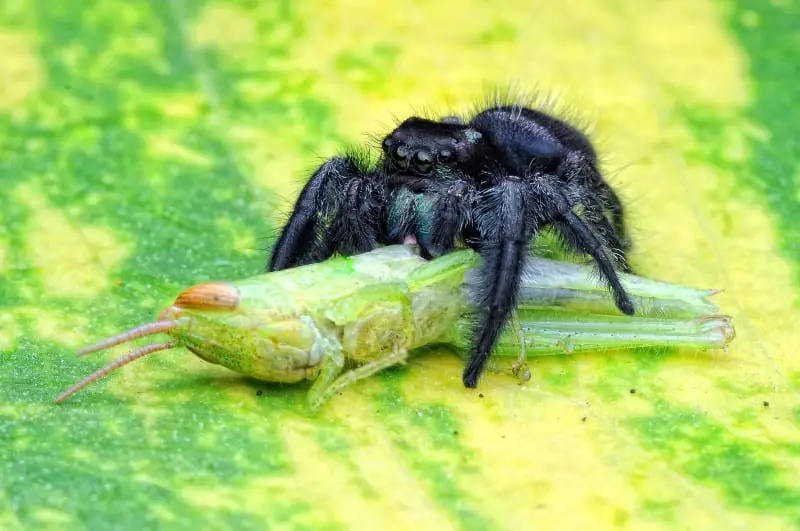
583	419
633	391
259	392
766	404
480	395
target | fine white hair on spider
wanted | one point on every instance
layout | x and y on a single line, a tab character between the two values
490	179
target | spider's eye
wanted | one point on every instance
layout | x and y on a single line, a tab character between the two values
398	155
446	156
422	161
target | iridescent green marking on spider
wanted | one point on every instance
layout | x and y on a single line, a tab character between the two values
472	135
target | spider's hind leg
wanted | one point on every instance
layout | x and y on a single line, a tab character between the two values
584	185
338	210
609	237
580	235
612	201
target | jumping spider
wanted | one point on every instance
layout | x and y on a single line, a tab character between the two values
491	182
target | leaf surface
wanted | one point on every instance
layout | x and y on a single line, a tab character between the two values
149	146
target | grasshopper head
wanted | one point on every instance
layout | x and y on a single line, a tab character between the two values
210	321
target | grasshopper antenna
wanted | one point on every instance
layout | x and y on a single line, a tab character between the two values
148	329
140	331
116	364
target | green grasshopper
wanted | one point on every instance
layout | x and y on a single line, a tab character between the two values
373	310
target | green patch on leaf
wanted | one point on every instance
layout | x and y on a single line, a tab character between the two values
428	438
691	442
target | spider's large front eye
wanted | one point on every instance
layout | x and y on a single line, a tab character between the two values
422	161
399	156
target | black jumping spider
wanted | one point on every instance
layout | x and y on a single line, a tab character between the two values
491	182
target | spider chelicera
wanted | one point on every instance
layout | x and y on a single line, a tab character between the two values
490	182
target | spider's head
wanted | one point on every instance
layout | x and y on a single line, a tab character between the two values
418	145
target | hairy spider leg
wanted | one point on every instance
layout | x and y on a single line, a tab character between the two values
507	219
576	232
581	174
610	198
594	218
338	210
573	173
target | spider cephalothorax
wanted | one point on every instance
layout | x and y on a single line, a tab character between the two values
420	146
491	182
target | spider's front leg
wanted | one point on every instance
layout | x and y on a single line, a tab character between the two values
507	219
339	209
